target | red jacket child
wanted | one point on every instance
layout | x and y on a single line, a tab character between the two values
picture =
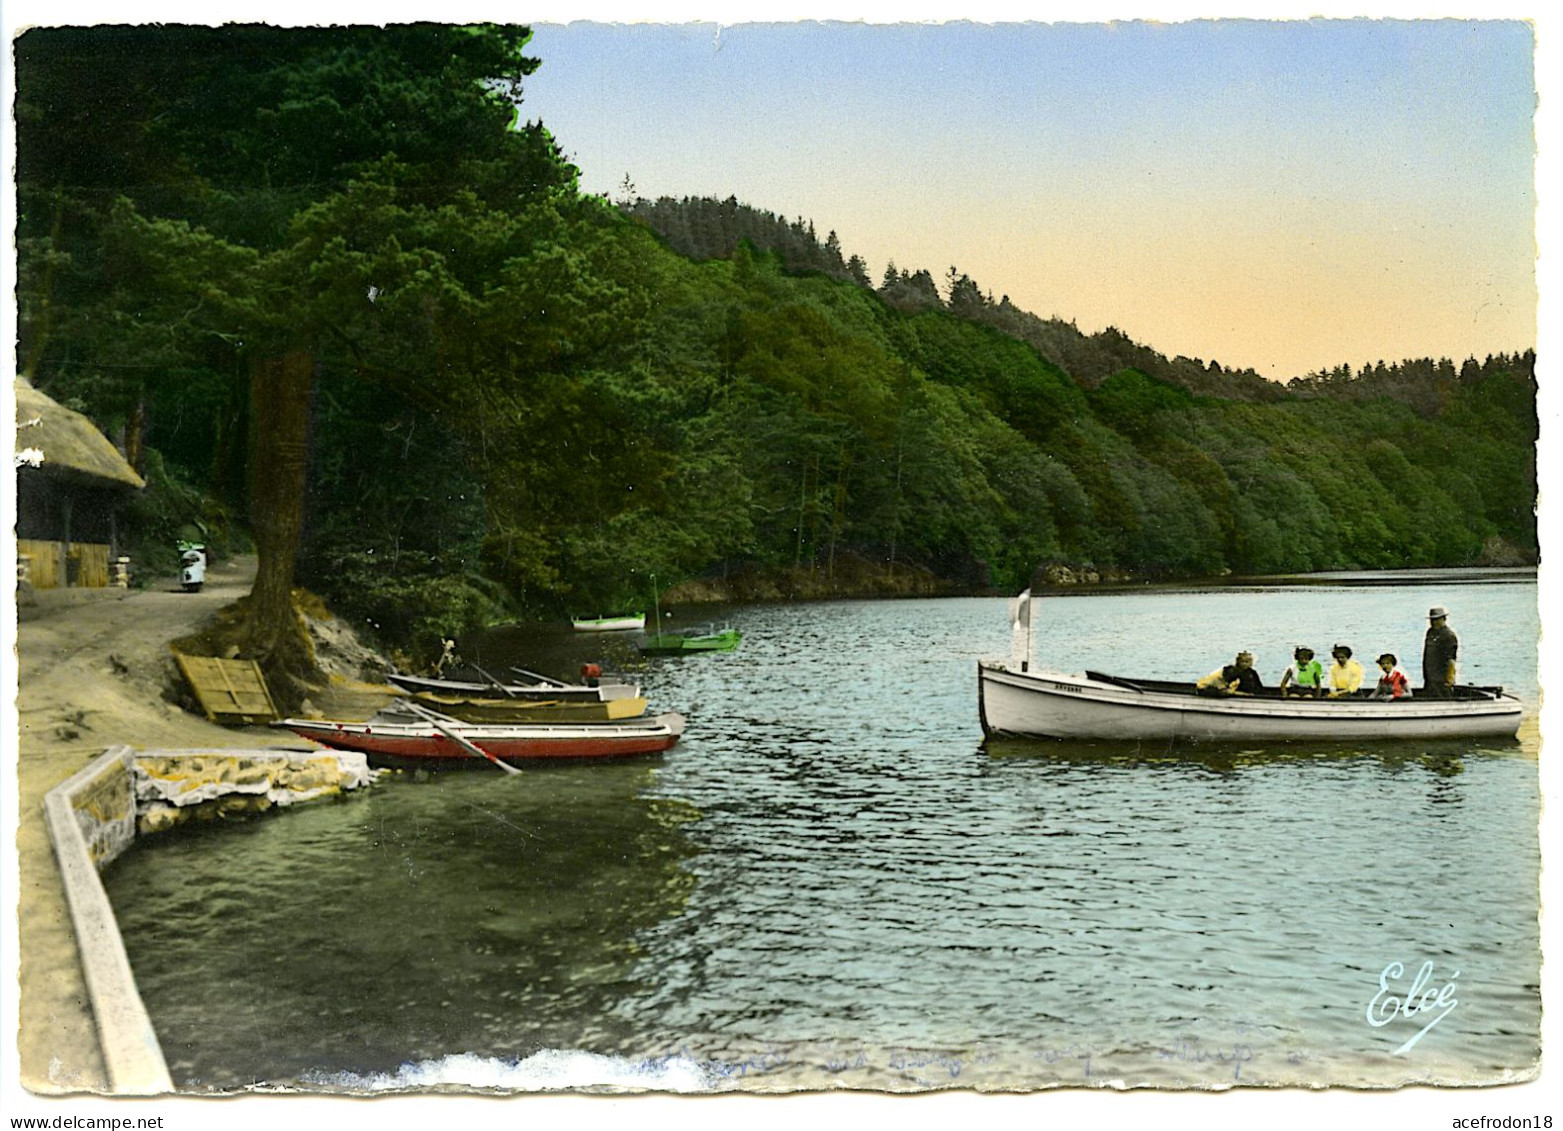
1393	683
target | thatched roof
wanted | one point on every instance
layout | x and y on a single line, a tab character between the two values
51	437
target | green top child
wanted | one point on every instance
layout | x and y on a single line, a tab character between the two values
1305	676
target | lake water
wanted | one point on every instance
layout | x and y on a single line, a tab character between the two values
831	883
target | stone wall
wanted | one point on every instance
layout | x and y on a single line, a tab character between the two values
96	814
173	787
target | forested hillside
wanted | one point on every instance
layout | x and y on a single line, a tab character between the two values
701	228
324	263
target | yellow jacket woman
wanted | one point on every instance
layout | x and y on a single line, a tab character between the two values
1345	673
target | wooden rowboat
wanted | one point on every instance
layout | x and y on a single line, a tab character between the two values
397	738
541	691
476	709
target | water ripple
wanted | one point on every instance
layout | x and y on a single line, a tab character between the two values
830	882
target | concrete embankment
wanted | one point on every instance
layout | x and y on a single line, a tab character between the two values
96	815
93	672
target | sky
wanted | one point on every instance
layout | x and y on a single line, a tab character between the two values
1280	195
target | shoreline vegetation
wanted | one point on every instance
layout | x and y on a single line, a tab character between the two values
856	578
863	581
499	396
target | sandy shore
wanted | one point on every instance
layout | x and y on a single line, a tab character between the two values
92	669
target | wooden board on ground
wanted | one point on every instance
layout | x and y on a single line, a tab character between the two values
230	691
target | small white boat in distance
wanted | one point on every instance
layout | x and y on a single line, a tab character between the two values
632	623
1015	701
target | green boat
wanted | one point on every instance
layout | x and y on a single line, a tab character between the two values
688	640
679	643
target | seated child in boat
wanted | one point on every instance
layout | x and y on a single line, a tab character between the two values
1305	676
1236	678
1393	683
1345	673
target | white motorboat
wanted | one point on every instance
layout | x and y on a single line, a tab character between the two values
1097	707
1016	701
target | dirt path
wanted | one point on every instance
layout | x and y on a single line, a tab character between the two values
92	668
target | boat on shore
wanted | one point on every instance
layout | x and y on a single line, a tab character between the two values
405	738
1097	707
681	643
541	690
631	623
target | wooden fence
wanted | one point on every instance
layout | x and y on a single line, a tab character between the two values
55	565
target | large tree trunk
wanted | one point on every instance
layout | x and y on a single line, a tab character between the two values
135	432
279	416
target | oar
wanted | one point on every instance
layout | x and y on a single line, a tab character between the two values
508	693
539	677
1098	676
437	721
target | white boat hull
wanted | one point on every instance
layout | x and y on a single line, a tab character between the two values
1051	705
610	624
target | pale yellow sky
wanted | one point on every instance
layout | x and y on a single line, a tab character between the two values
1275	195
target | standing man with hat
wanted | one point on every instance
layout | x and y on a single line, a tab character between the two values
1439	649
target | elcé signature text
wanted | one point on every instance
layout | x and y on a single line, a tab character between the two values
1422	999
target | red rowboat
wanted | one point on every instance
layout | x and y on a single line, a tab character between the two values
395	738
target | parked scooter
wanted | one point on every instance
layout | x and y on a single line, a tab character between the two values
192	557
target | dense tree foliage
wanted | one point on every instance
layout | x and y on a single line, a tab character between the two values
501	395
701	228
